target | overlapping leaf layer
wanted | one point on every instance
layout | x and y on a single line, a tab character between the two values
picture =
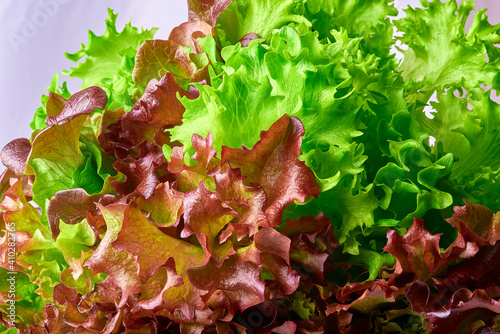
267	169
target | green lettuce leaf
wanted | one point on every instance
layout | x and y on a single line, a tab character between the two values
368	19
259	17
109	61
441	53
339	95
276	153
28	305
467	127
255	92
55	156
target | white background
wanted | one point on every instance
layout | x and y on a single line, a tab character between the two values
35	34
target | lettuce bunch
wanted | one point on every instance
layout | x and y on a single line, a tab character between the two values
267	169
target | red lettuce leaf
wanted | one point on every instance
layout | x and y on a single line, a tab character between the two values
205	216
70	206
137	232
312	242
140	238
450	316
158	109
275	248
187	33
15	155
273	164
165	207
270	241
248	201
467	290
18	211
108	118
418	251
237	278
55	104
122	269
81	103
206	10
245	40
53	322
287	278
161	55
140	175
162	280
189	177
479	272
476	223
